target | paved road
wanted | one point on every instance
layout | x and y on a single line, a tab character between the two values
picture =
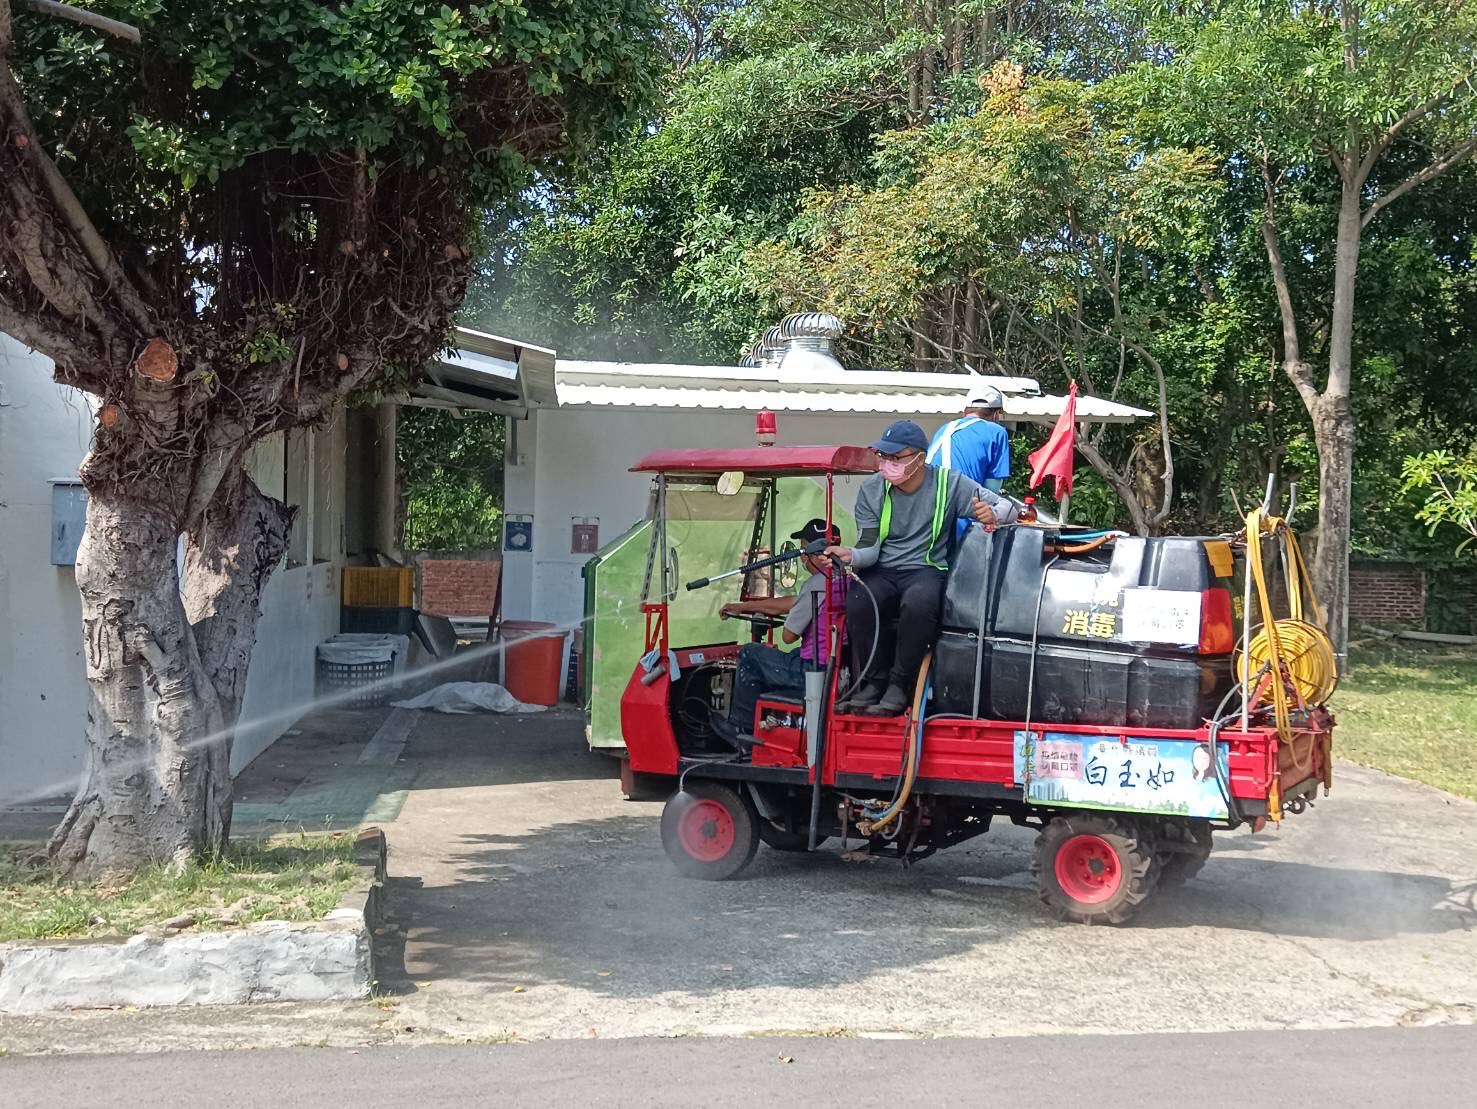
1364	1067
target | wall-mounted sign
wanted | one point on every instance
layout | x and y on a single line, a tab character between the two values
518	533
584	538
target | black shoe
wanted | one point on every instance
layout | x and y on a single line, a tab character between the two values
869	694
893	703
727	731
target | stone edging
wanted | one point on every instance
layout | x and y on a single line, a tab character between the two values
272	960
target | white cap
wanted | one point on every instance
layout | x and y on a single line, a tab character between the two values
986	397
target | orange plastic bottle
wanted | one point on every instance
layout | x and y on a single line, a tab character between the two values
1028	513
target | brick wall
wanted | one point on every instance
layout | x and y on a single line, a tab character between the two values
1384	593
457	586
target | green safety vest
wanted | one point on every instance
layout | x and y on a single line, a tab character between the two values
940	503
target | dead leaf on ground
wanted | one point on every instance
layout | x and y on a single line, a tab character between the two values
787	1058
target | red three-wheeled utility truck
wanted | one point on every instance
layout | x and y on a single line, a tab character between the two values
1126	696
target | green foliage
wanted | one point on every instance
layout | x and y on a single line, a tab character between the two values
1450	486
1025	196
642	257
257	101
788	169
1285	80
451	476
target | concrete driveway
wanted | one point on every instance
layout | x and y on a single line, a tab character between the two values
537	902
533	901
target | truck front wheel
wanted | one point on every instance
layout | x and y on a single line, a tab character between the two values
710	831
1094	868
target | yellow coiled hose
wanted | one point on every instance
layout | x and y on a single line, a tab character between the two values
1295	651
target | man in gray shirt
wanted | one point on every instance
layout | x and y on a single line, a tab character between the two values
905	518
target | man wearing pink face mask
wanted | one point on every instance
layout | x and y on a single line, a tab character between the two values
905	515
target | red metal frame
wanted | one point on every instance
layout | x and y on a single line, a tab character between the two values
761	460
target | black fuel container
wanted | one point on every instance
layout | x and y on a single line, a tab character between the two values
1135	632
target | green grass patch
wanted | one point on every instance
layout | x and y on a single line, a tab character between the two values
1411	710
293	878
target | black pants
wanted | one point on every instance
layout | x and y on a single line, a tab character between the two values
763	669
916	599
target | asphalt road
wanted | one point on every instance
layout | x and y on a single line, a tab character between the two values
1346	1068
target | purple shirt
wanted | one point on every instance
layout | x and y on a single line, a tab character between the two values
810	618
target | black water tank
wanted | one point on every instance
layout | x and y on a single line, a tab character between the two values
1118	630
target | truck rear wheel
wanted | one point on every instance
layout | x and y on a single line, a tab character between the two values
1094	868
1178	867
776	835
710	831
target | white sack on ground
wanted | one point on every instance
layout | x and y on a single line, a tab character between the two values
468	697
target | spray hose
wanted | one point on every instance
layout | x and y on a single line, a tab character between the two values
870	824
1295	653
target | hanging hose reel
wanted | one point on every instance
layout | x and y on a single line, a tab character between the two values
1294	654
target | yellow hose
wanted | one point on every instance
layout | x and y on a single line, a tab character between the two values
910	770
1295	652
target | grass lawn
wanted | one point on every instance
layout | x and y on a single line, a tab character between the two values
1411	710
288	878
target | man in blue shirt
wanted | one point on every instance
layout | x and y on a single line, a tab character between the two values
977	444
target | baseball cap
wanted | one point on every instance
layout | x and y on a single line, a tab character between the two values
899	436
987	396
816	529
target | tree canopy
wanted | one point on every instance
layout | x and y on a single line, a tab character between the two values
857	159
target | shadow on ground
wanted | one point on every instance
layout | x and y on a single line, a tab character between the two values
594	903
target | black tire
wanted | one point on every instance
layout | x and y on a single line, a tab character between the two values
1178	867
1094	868
782	839
710	831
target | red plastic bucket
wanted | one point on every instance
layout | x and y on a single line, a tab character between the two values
532	658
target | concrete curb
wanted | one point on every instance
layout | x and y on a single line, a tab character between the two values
273	960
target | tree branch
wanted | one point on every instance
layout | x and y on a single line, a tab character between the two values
1414	115
1297	370
1120	484
68	206
1454	156
125	31
52	342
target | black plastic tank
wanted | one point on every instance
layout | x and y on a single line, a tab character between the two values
1137	632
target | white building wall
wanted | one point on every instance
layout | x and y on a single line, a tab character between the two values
576	462
44	432
300	606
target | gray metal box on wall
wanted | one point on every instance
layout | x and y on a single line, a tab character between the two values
68	518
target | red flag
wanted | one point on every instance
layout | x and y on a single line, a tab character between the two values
1054	457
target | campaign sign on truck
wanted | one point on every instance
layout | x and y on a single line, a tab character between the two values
1171	777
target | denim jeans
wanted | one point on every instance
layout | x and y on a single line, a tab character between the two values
763	669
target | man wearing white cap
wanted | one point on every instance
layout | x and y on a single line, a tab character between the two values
977	444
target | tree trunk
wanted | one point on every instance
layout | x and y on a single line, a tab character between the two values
165	683
1333	432
229	558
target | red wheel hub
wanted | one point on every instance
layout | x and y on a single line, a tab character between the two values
706	831
1087	869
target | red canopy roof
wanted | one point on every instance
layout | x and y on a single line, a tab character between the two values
761	460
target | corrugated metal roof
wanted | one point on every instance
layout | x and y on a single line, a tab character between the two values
504	375
1037	408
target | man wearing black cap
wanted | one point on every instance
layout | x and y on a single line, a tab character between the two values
905	517
763	669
